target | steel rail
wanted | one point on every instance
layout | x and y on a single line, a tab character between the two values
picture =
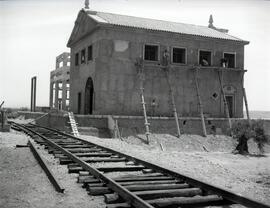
122	191
58	187
226	194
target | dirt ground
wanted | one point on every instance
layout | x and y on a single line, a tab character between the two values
208	159
23	184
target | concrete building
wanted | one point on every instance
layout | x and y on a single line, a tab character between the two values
60	84
111	54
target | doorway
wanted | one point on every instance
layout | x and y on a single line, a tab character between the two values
79	102
89	92
229	100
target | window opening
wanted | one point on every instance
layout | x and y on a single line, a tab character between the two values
179	55
83	56
77	59
90	53
151	52
205	58
229	59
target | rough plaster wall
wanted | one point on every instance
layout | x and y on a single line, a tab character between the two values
117	85
80	74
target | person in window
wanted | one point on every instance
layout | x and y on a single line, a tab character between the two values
166	58
223	62
154	106
205	62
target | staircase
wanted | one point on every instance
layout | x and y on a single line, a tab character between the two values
73	124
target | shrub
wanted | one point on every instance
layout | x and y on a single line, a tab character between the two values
259	135
243	131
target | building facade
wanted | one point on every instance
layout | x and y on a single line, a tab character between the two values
112	54
60	83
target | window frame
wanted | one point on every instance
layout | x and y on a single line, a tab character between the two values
178	47
211	56
158	52
234	53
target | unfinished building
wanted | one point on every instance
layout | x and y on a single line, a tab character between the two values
116	58
60	83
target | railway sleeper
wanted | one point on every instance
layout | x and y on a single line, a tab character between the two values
85	179
95	154
97	191
175	202
94	160
85	150
73	146
154	194
89	183
128	183
75	168
142	187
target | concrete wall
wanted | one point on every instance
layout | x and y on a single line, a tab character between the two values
166	125
131	125
116	84
52	120
91	121
61	74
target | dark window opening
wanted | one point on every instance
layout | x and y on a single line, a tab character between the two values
79	102
205	58
83	56
60	105
151	53
179	55
76	59
89	96
230	60
90	53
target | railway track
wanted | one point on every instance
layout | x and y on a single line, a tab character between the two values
126	181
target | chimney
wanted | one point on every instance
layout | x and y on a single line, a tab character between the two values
86	4
211	22
211	25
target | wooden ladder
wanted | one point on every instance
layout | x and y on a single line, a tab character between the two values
175	114
199	101
73	124
140	67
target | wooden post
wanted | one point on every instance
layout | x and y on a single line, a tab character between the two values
2	115
33	93
2	104
140	67
200	102
246	104
173	103
245	99
144	109
224	98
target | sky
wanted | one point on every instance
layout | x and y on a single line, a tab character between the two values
34	32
